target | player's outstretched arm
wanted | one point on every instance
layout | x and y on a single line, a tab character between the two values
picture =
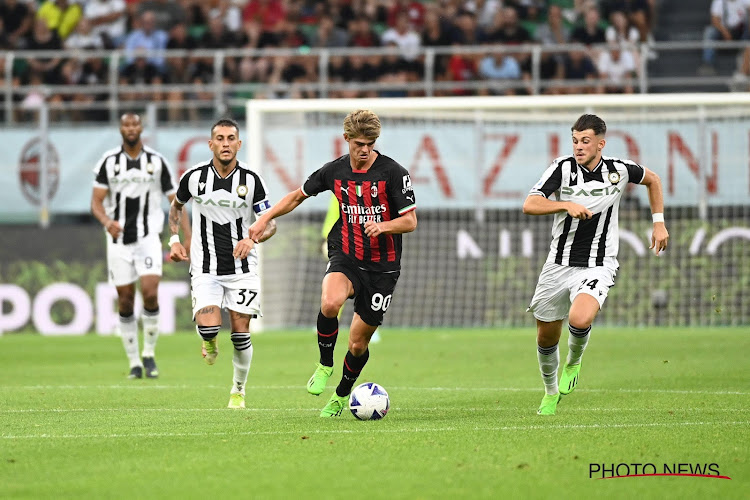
243	247
539	205
660	235
284	206
177	252
270	231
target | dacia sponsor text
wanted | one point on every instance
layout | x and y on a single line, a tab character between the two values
606	191
220	203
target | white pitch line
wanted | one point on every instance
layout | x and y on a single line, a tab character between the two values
406	409
370	430
397	388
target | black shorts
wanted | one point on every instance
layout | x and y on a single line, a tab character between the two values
372	290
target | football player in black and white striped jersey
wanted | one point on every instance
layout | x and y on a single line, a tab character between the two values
227	197
583	191
130	183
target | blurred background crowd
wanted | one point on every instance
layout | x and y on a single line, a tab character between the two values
607	33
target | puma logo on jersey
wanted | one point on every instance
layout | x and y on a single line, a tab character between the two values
345	189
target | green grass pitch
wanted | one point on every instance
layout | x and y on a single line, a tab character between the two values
462	424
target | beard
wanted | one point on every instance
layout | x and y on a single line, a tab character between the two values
131	142
225	163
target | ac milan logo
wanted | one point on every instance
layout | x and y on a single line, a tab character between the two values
30	170
374	191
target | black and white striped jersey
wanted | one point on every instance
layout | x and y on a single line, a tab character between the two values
595	241
135	187
222	208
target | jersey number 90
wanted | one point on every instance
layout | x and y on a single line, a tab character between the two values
380	303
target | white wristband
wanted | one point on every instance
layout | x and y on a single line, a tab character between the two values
657	217
174	239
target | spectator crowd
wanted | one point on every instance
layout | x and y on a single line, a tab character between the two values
605	32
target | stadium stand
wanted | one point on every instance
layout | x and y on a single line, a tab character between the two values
92	57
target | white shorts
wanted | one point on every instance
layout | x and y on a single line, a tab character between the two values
558	287
236	292
126	263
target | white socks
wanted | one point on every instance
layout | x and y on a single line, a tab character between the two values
549	361
577	341
129	334
243	355
549	357
150	332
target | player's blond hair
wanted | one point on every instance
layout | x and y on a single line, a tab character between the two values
362	123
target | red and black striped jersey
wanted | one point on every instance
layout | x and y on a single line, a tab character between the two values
381	193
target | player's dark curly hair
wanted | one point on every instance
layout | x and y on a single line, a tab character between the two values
593	122
225	122
362	123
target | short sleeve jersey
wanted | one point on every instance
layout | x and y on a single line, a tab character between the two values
135	189
223	210
591	242
381	193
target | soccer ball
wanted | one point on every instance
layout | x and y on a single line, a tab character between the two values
369	401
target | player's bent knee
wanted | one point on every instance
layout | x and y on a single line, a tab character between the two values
330	308
126	305
358	348
125	309
583	312
580	321
548	333
547	340
151	298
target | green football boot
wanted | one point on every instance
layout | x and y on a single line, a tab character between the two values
335	406
210	350
569	378
549	404
317	382
236	401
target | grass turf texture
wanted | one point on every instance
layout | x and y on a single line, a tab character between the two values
462	420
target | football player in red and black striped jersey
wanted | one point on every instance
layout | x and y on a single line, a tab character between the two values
377	205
